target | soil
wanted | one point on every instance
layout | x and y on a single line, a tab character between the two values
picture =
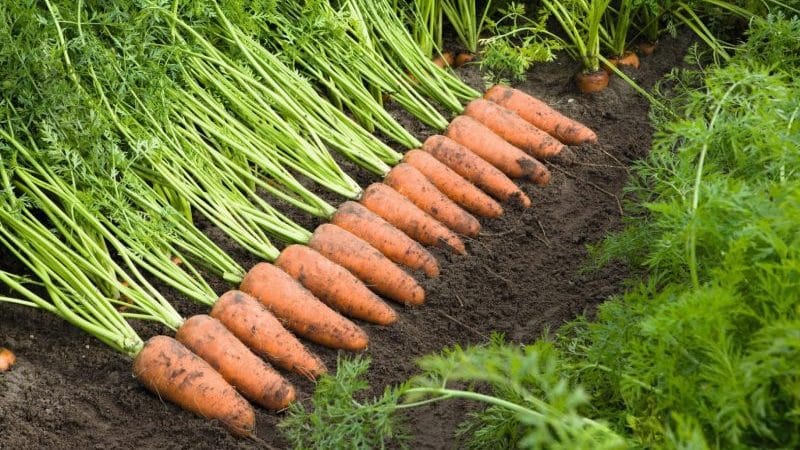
522	277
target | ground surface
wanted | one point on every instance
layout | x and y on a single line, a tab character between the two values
521	277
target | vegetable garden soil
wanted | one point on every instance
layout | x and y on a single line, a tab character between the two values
522	277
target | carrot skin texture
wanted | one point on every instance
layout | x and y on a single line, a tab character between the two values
542	116
475	169
385	237
369	265
262	332
416	223
299	310
171	371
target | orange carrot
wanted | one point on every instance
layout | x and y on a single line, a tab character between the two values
366	263
208	338
172	372
589	83
261	331
413	185
463	58
538	114
7	359
299	310
444	60
475	169
513	128
416	223
385	237
453	185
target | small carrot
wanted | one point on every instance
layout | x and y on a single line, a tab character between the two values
171	371
299	310
444	60
485	143
413	185
540	115
366	263
7	359
416	223
385	237
474	169
463	58
208	338
260	330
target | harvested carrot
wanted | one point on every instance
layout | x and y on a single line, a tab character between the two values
540	115
299	310
485	143
385	237
366	263
413	185
416	223
513	128
173	372
260	330
474	169
208	338
453	185
7	359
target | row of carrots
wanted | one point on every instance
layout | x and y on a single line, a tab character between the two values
429	199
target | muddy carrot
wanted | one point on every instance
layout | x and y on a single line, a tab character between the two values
538	114
7	359
260	330
299	310
173	372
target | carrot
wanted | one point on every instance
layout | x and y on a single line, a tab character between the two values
540	115
173	372
366	263
453	185
7	359
413	185
261	331
485	143
474	169
463	58
208	338
589	83
513	128
385	237
444	60
416	223
299	310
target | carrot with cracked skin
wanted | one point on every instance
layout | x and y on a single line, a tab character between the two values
262	332
488	145
299	310
369	265
208	338
413	185
385	237
172	372
474	169
416	223
542	116
514	129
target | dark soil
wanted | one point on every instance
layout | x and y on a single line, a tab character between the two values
522	277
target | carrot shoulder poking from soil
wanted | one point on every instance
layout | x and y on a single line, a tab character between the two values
260	330
173	372
7	359
298	309
541	115
385	237
208	338
413	185
416	223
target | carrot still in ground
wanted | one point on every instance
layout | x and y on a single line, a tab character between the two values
260	330
174	373
208	338
7	359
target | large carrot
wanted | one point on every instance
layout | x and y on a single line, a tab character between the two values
416	223
513	128
385	237
413	185
299	310
365	262
473	168
540	115
172	372
208	338
485	143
